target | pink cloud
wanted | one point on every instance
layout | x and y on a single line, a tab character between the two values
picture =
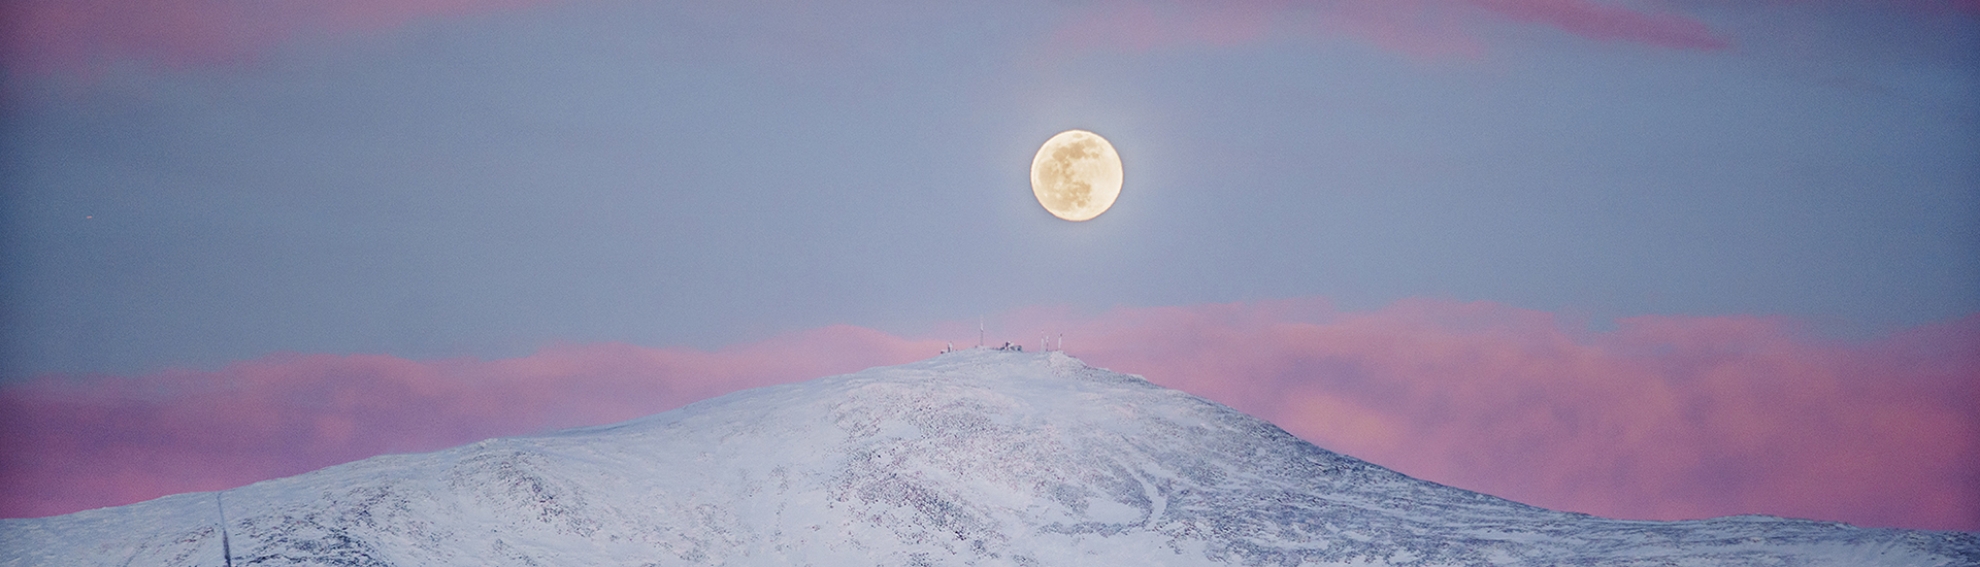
1428	28
66	35
1609	22
1664	417
74	443
44	36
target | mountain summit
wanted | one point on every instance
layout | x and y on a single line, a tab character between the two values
976	457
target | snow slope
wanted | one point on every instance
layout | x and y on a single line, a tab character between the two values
976	457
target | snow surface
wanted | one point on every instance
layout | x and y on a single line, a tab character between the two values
977	457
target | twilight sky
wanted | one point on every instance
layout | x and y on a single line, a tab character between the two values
1639	258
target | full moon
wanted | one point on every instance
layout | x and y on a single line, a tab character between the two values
1077	175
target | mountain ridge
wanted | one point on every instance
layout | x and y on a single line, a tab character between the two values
976	457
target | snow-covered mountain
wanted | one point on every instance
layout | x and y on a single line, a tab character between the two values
977	457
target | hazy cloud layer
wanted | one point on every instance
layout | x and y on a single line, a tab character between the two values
1417	27
74	443
53	35
1662	418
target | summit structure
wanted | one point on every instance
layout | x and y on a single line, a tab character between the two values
975	457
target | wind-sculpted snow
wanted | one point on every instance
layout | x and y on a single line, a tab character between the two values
976	457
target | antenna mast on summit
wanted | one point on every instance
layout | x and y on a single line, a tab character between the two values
979	331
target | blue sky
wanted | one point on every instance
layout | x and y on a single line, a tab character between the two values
483	181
